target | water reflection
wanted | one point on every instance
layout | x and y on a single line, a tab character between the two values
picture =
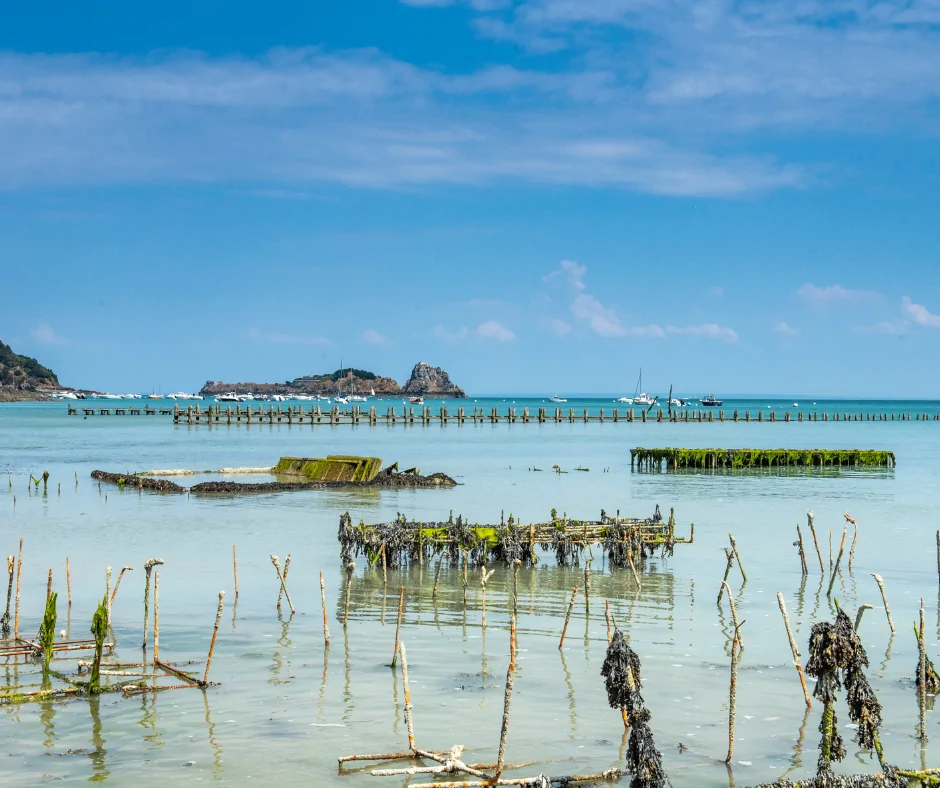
218	771
278	675
572	711
47	715
99	765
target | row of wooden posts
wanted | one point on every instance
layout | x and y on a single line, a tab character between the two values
355	414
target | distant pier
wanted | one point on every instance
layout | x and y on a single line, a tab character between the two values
424	415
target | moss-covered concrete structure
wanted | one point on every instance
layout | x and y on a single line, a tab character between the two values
678	459
333	468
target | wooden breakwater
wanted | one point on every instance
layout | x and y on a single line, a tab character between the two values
677	459
424	415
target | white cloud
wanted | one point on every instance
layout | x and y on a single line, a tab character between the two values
447	335
278	338
716	291
493	330
707	331
372	337
890	327
275	123
560	327
919	314
830	293
601	319
45	334
786	329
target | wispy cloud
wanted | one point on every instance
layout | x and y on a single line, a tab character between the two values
45	334
493	330
278	338
716	291
919	314
275	123
707	331
560	327
372	337
786	329
831	293
445	334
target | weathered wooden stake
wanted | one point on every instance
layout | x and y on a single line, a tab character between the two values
737	557
832	579
507	700
11	562
49	585
350	568
734	615
794	649
326	626
149	564
881	587
277	566
107	593
117	585
156	615
68	579
858	615
215	632
854	538
564	629
733	691
799	537
401	605
484	576
607	616
409	723
922	667
19	572
724	581
235	567
587	586
280	592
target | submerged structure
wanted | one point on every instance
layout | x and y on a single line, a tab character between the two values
677	459
625	540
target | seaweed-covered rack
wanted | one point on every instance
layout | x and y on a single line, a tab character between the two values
400	541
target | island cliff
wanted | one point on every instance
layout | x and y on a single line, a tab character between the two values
24	378
425	381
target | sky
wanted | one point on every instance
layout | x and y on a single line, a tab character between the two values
540	196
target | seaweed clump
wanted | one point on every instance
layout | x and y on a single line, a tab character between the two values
621	672
837	659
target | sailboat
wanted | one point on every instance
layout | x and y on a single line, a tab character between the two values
639	398
340	397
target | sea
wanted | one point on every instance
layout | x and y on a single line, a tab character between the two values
285	706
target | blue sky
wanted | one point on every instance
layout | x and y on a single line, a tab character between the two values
537	195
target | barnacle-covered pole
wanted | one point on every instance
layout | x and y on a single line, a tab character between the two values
280	576
280	592
401	605
564	629
326	626
734	615
884	599
811	520
19	573
835	572
733	689
724	581
851	519
922	676
737	557
507	699
149	564
799	543
215	633
5	621
793	648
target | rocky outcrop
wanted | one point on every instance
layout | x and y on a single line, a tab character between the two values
23	378
425	380
431	381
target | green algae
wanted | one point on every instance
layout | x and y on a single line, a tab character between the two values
680	458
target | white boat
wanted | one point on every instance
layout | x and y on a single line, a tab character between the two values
130	396
416	400
639	398
677	403
556	398
357	398
230	397
109	396
65	395
279	398
341	399
154	396
321	398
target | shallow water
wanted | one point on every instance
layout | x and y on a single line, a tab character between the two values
274	715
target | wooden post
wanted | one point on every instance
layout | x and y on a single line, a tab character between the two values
794	648
215	632
564	629
326	626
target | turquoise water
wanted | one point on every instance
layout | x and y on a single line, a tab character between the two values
286	707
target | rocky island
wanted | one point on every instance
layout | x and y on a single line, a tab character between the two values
22	378
425	381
